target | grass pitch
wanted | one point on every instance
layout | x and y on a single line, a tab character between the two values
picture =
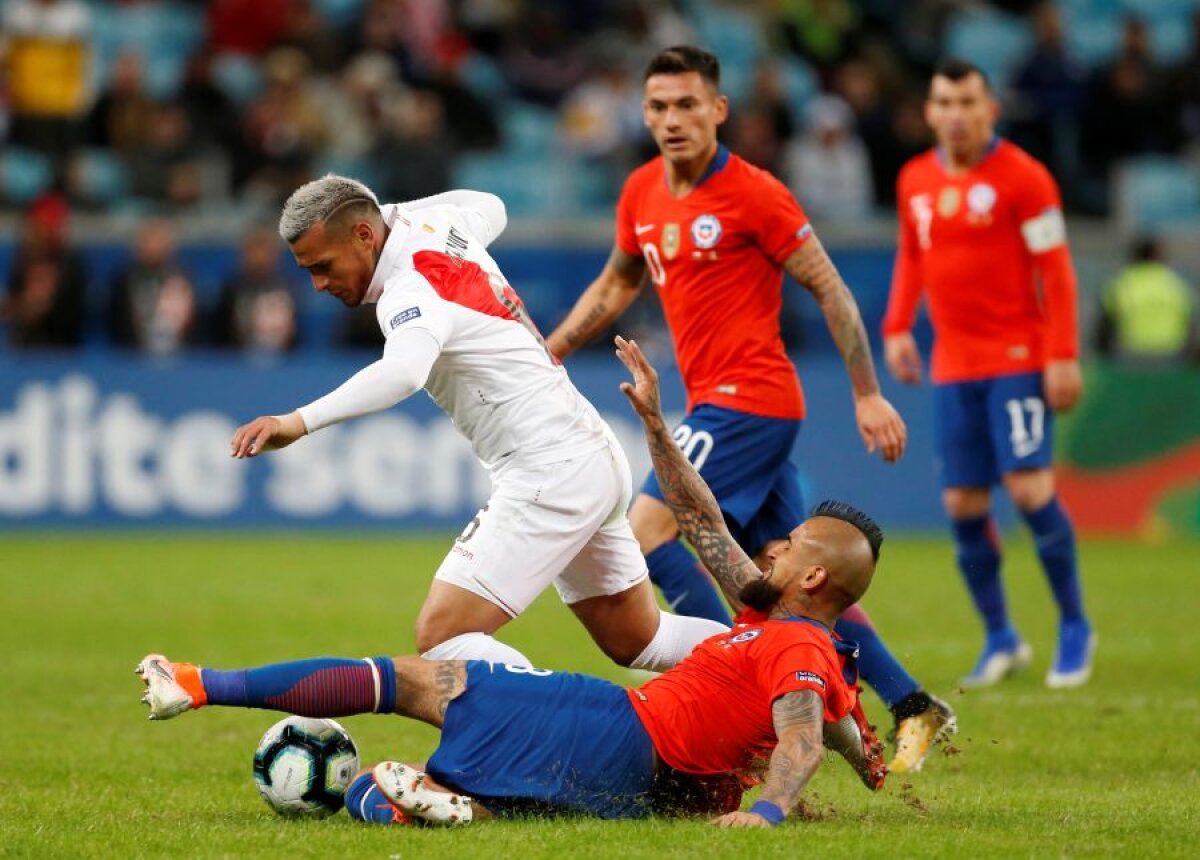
1106	770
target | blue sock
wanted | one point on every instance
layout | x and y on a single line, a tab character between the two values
685	584
365	802
876	664
1055	539
979	562
320	687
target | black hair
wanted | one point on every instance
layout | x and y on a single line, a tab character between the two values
1146	249
685	58
847	513
957	69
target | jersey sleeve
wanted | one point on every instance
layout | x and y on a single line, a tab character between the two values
907	283
626	237
794	667
782	226
409	302
1044	231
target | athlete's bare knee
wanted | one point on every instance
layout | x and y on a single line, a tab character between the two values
966	502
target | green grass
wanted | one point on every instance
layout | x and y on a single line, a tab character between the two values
1109	769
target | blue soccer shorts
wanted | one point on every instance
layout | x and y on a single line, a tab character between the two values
746	462
523	740
986	428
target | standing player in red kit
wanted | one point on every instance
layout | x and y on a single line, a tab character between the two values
716	234
982	235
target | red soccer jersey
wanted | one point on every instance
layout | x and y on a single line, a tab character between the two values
973	243
716	257
712	712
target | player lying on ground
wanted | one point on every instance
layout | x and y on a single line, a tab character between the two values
515	739
560	482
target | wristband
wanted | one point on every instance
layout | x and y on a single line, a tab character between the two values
772	813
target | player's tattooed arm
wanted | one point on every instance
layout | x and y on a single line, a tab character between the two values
605	299
879	424
798	719
689	498
811	267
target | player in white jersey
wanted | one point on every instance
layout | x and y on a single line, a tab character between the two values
560	482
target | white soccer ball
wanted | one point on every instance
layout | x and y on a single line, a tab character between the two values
303	766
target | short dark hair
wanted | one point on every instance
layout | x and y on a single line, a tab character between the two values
847	513
685	58
957	69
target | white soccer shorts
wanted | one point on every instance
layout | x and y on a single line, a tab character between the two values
564	523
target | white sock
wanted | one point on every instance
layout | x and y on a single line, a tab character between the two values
676	637
477	646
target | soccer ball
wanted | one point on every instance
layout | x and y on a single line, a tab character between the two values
303	766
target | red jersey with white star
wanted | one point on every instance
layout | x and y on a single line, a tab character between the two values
712	712
974	243
716	257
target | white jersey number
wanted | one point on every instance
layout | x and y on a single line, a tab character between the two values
654	263
1026	437
695	444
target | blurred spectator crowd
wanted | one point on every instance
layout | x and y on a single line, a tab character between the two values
166	105
153	108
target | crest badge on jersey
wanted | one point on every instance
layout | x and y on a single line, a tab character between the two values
670	240
747	636
706	231
981	197
948	202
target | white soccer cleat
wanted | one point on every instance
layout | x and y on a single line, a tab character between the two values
164	695
405	787
996	665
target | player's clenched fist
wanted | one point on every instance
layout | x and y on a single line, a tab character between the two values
268	433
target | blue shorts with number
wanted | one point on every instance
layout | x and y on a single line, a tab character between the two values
986	428
530	740
746	462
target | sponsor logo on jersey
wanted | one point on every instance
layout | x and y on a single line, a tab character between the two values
670	240
403	317
639	229
428	228
804	232
706	231
812	678
456	245
948	202
747	636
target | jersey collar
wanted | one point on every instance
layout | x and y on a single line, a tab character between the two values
399	221
719	161
993	144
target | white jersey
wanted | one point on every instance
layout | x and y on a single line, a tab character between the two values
493	376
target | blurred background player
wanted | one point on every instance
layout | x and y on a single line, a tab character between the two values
982	235
765	695
716	234
560	482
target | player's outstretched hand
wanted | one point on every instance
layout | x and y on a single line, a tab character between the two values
881	426
1063	384
741	819
643	391
902	358
268	433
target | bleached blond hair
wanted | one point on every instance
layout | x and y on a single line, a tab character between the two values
317	201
